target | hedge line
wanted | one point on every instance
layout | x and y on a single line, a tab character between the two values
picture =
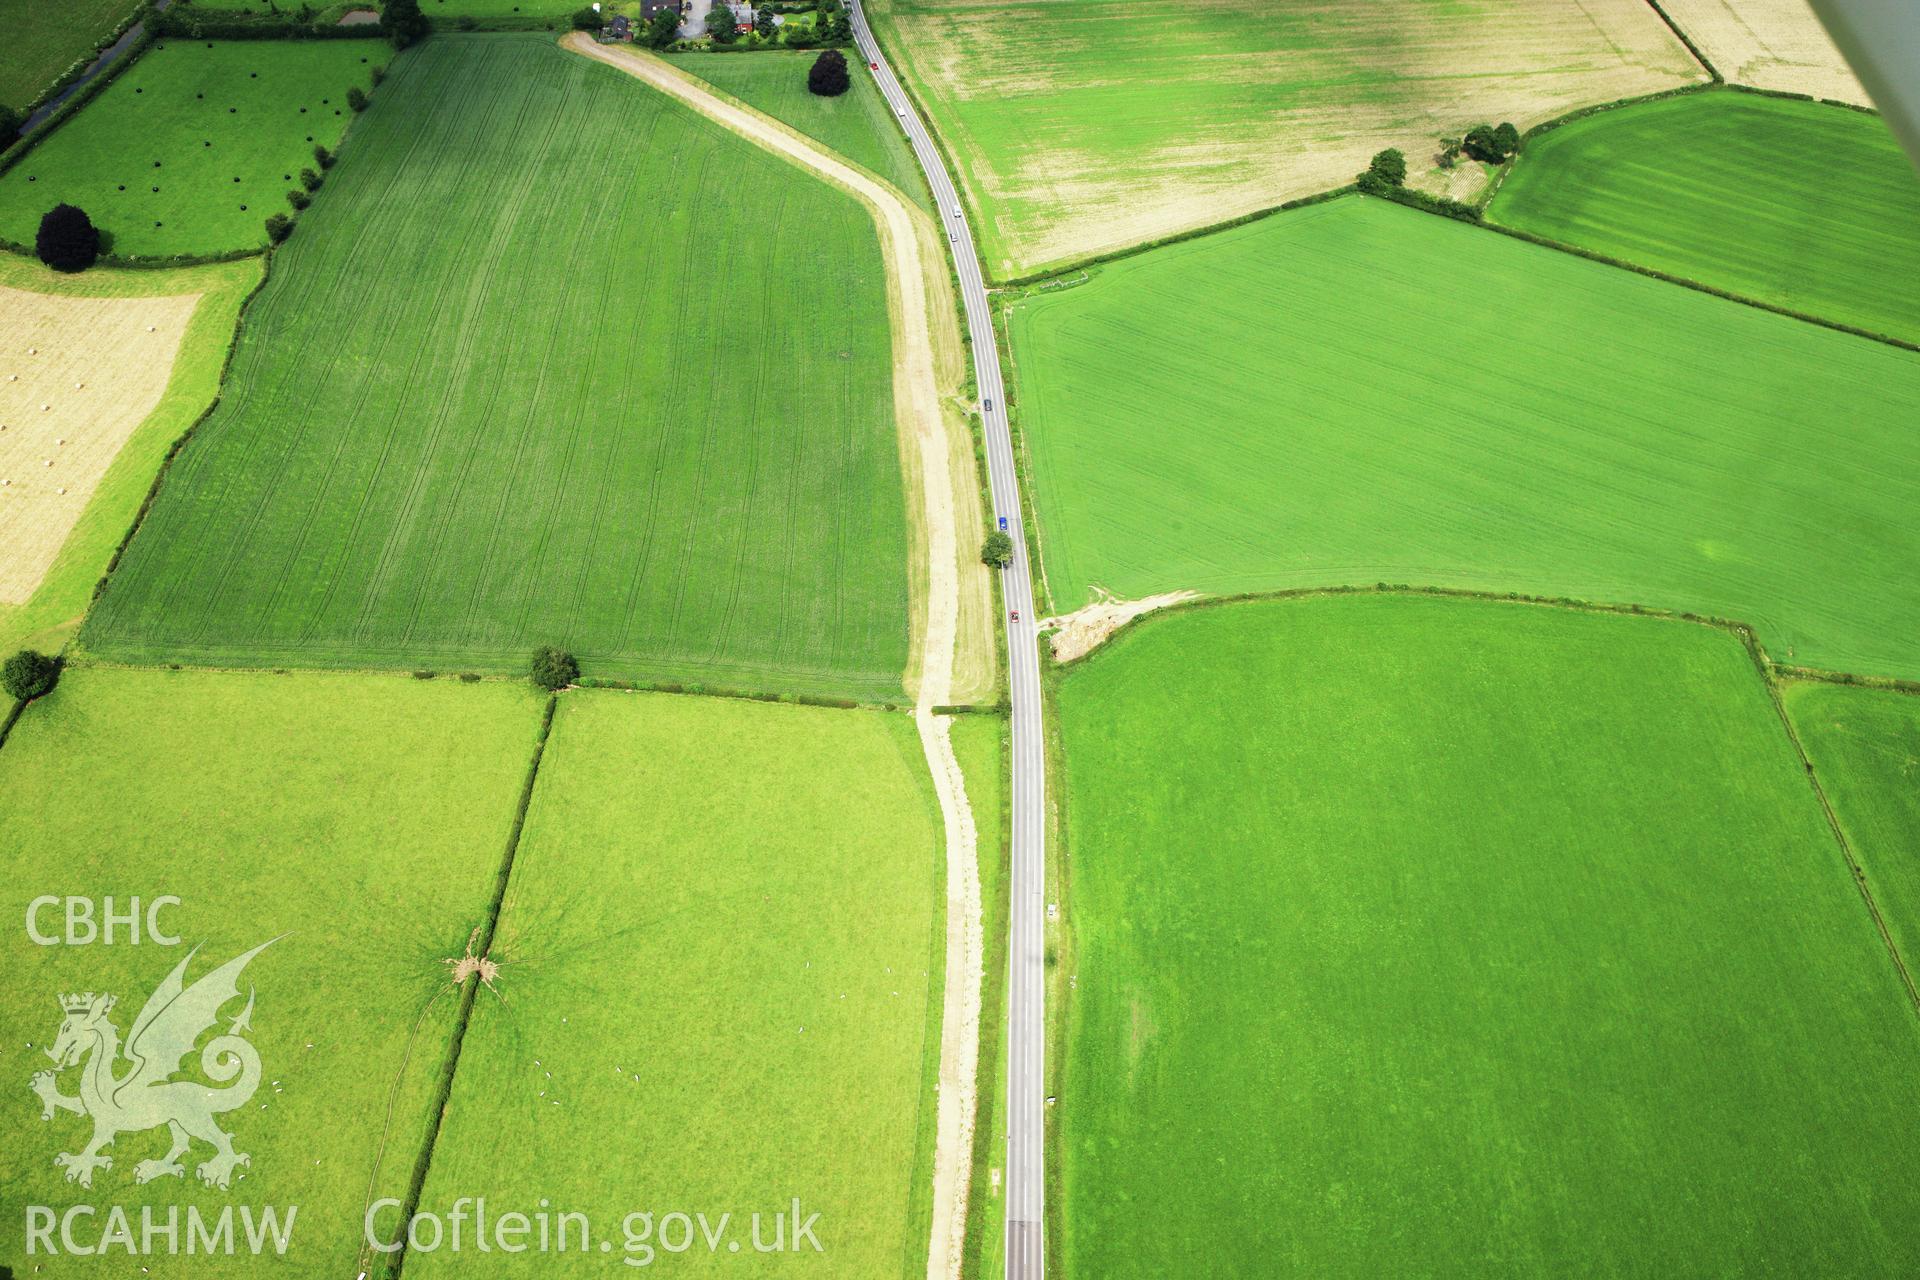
184	22
443	1090
64	112
745	695
1715	290
1195	233
79	68
160	476
1687	40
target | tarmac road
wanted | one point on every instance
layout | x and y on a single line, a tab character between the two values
1026	1029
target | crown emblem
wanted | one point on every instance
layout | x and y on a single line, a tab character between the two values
83	1003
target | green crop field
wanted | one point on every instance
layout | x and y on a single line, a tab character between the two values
720	993
1422	936
597	407
1865	745
1300	402
55	611
43	40
1802	205
194	146
359	820
857	124
1084	128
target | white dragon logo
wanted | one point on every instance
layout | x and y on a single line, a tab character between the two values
145	1097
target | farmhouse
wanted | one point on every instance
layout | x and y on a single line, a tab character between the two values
617	30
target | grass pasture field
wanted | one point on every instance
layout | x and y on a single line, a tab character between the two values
60	544
645	442
857	124
1081	129
1865	747
1293	403
720	991
1772	44
195	145
1513	941
1833	230
359	820
43	40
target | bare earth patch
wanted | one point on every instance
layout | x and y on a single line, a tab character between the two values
916	273
1771	44
1081	632
77	376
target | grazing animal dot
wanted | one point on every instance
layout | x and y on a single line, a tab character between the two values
156	190
233	111
156	224
253	75
61	489
123	186
156	164
33	178
206	142
236	179
200	95
243	208
139	90
303	111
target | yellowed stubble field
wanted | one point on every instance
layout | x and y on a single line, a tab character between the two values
77	375
1087	127
1772	44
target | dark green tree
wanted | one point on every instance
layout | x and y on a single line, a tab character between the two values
1480	145
1506	140
663	28
68	240
279	227
720	23
403	22
29	673
356	99
587	19
310	180
763	24
553	669
998	550
828	77
1389	167
10	121
323	157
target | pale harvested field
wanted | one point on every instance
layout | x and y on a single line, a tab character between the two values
77	376
1079	129
1771	44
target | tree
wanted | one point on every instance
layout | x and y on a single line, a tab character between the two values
356	99
663	28
1389	167
10	121
1490	145
323	157
720	23
840	27
763	24
68	240
298	198
310	180
403	22
279	227
587	19
29	673
554	669
828	78
998	551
